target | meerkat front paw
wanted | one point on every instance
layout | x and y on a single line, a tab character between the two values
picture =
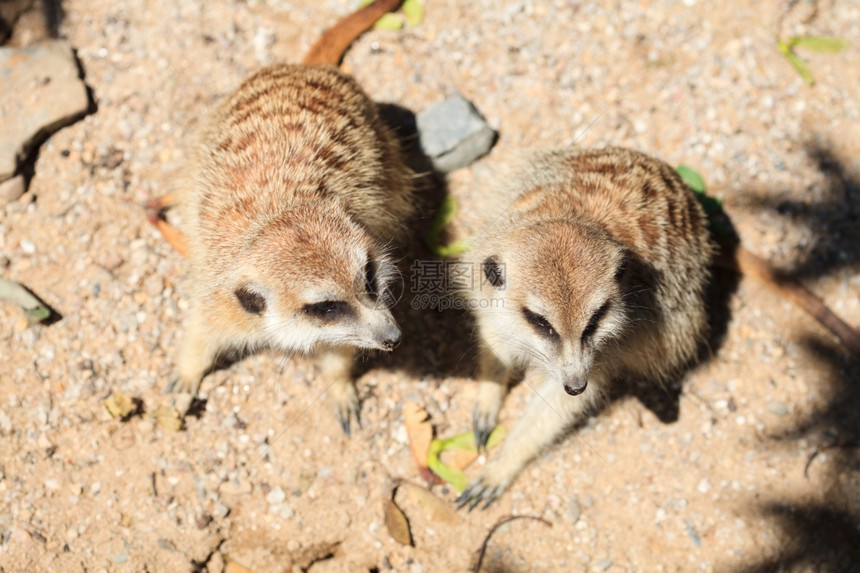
485	489
183	392
180	385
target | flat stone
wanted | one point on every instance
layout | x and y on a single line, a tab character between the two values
11	190
453	134
40	92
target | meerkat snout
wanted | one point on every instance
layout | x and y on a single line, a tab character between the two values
391	337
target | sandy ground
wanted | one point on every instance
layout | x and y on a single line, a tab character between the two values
757	472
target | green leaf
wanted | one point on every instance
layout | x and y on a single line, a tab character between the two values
33	307
713	207
455	477
800	67
440	221
817	43
786	46
389	22
413	10
691	178
821	44
466	442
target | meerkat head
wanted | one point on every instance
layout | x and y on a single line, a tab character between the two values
313	276
561	288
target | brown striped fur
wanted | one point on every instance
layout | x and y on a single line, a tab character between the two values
611	251
292	203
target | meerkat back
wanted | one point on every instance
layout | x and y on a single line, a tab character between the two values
295	196
597	267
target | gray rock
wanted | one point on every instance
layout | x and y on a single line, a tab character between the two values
40	93
453	134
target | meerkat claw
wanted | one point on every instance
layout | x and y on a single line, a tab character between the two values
463	499
482	428
476	493
171	386
344	424
346	416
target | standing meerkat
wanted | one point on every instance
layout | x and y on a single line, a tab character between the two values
294	197
596	270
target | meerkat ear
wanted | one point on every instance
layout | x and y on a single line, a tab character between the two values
252	301
494	271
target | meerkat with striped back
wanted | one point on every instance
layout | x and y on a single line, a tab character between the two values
295	196
597	269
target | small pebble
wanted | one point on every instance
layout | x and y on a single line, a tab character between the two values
777	408
11	190
573	511
277	495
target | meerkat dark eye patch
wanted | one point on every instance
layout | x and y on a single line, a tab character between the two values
252	302
329	310
540	324
370	275
494	271
594	322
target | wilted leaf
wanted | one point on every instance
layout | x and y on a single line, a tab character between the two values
168	418
235	567
119	406
413	10
396	523
13	292
436	509
420	433
820	44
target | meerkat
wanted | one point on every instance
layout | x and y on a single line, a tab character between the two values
295	195
596	270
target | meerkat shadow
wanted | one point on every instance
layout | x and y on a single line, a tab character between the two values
820	532
435	340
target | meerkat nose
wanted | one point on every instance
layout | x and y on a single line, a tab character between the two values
575	386
392	338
